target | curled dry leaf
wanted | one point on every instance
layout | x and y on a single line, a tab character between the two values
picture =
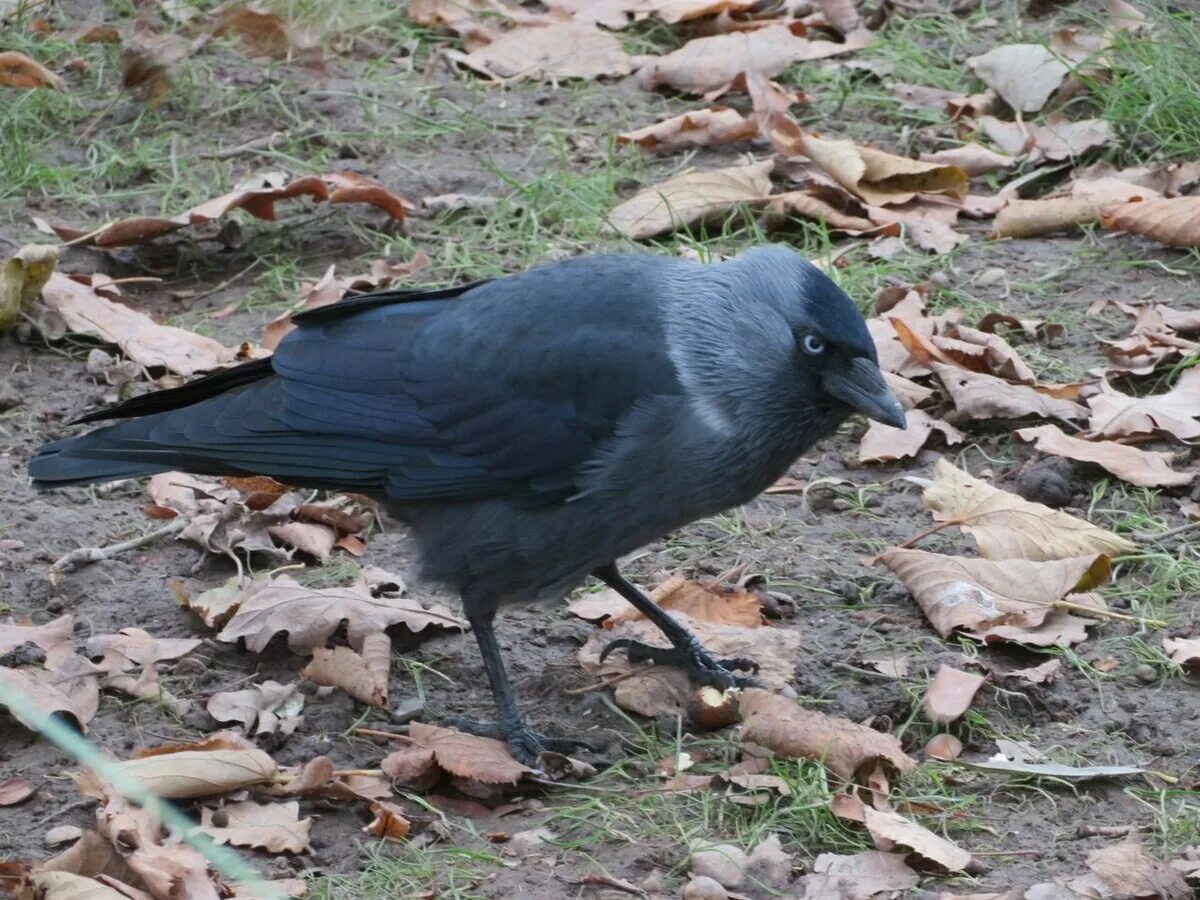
363	676
55	638
568	50
311	615
467	756
703	600
267	708
990	599
413	767
972	158
133	648
808	206
389	822
1024	75
1174	221
49	696
872	873
1174	413
1006	526
1056	140
943	747
699	128
68	886
845	748
1167	179
689	198
978	395
881	178
1084	206
274	827
1128	870
22	280
892	828
14	791
1184	651
950	694
19	71
1145	468
883	443
927	221
194	773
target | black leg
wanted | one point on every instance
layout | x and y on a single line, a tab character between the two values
525	745
686	651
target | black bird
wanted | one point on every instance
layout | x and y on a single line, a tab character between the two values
530	430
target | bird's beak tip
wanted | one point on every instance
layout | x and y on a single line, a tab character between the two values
891	415
861	386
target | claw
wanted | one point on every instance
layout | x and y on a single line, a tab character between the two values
694	660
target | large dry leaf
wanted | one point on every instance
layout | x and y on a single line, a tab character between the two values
1184	651
74	694
139	337
133	648
1128	870
467	756
714	65
703	600
67	886
893	829
1174	221
882	178
311	615
978	395
883	443
570	50
858	877
363	676
950	694
193	773
982	596
1084	206
19	71
1006	526
808	206
1117	415
972	158
22	279
928	222
54	638
1024	75
689	198
845	748
699	128
266	708
389	822
1167	179
275	827
1144	468
1057	139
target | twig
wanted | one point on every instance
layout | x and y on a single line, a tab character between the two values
1036	851
1083	831
1144	537
390	735
601	685
259	143
368	773
95	554
599	879
1107	614
224	284
60	813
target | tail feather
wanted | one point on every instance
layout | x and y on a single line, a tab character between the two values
84	460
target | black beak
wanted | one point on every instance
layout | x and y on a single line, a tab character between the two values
861	386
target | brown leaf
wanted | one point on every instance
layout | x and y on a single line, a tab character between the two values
928	222
146	60
364	677
1145	468
1184	651
267	708
132	648
1174	221
54	638
570	50
1128	870
311	615
22	279
19	71
805	205
689	198
883	443
863	875
972	158
893	829
274	827
716	64
1040	674
843	747
950	694
14	791
261	32
1006	526
91	856
1117	415
1028	218
67	886
943	747
389	822
841	14
1056	140
705	601
184	774
989	599
467	756
881	178
981	396
411	767
699	128
74	694
307	537
1024	75
1167	179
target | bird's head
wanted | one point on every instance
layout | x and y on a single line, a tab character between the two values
772	332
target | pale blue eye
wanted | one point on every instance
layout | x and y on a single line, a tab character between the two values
813	345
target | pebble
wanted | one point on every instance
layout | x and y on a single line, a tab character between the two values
408	710
701	887
723	863
1145	673
10	398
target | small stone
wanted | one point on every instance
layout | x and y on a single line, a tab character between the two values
408	710
990	276
769	865
1145	674
724	863
55	605
701	887
9	397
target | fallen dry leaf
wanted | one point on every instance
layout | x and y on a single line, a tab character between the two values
1144	468
68	886
1040	674
845	748
883	443
943	747
893	829
311	615
568	50
1006	526
133	648
389	822
55	638
881	178
1117	415
1024	75
267	708
1174	221
22	280
950	694
972	158
978	395
14	791
1184	651
1167	179
467	756
263	33
1056	140
71	691
414	768
274	827
1128	870
703	600
699	128
991	599
863	875
363	676
185	774
19	71
807	206
146	60
1086	205
689	198
928	222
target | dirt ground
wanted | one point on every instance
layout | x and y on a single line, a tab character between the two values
434	131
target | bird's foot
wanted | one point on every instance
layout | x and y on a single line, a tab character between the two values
525	745
700	666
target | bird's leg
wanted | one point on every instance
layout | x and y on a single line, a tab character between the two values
525	745
686	652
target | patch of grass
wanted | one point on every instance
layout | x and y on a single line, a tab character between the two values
408	870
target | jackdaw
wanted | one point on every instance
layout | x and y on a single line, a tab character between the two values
530	430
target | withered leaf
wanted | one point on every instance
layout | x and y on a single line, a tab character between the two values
689	198
568	50
978	395
411	767
705	601
950	694
14	791
807	206
699	128
363	676
22	279
974	159
1057	139
69	886
1184	651
1174	221
198	773
266	708
1128	870
1024	75
467	756
1084	206
868	874
1145	468
389	822
133	647
1006	526
54	638
19	71
75	694
1116	415
842	746
882	178
275	827
885	825
883	443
